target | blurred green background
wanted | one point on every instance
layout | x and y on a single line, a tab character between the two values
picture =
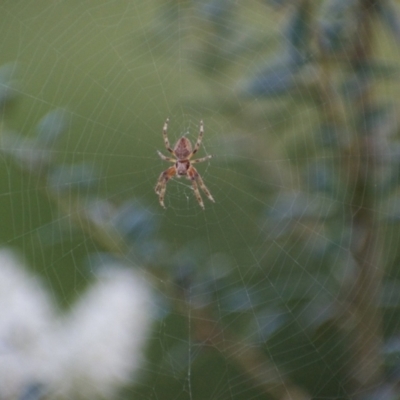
120	69
298	257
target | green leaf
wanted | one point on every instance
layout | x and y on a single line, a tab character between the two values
24	151
321	177
298	33
337	22
297	205
389	14
8	92
76	176
390	294
273	80
52	126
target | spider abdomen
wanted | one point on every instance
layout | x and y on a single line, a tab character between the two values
183	148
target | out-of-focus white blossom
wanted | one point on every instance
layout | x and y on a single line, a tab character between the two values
91	352
26	319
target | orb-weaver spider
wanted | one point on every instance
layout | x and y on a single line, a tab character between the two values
183	165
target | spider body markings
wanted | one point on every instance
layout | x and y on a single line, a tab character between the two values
182	153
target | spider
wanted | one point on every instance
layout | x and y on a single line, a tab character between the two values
183	165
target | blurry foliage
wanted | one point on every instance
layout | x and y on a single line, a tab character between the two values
326	62
317	292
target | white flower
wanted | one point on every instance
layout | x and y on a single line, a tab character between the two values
91	352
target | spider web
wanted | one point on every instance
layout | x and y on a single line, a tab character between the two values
242	297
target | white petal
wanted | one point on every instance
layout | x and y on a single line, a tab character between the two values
103	338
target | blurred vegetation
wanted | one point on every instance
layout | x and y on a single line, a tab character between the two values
289	286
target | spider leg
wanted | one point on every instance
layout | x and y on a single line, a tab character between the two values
197	160
197	193
199	139
161	186
165	158
195	177
164	132
204	188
